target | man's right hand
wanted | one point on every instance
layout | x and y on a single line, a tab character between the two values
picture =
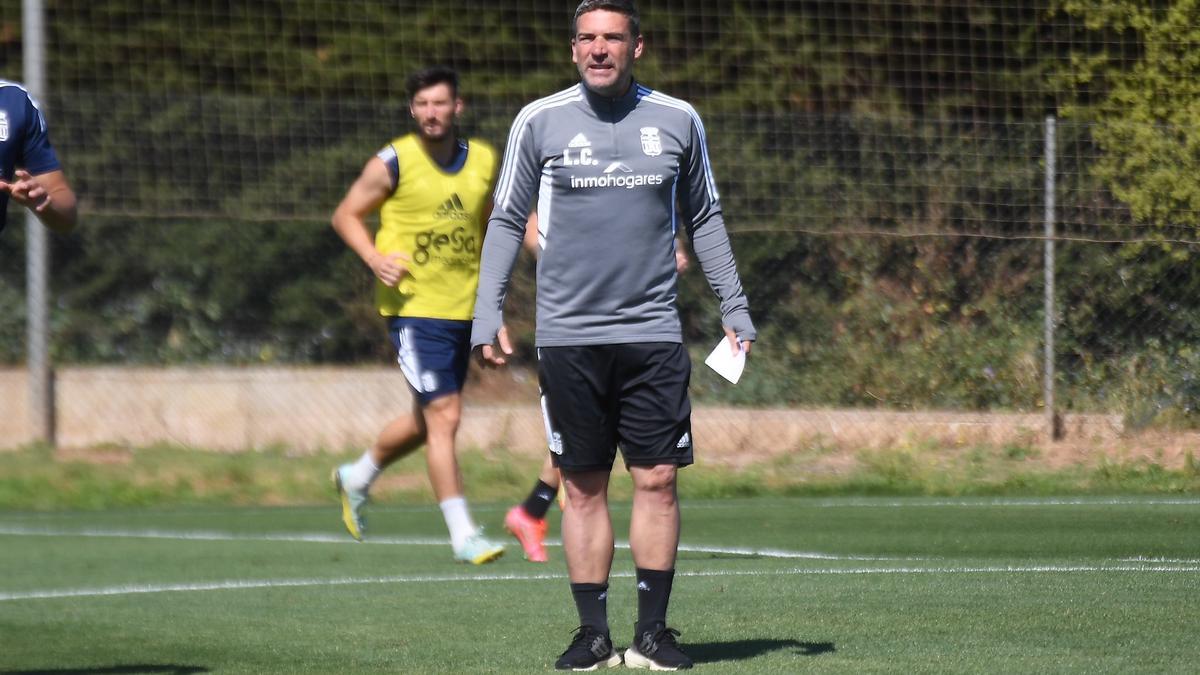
389	268
489	356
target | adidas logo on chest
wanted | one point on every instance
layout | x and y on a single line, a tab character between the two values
452	209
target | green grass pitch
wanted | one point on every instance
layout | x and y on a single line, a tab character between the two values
765	585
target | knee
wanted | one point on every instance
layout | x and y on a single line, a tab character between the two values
442	416
449	420
587	493
587	503
657	480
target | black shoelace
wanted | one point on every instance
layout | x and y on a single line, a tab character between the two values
584	634
651	642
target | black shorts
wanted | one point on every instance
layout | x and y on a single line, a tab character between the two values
598	397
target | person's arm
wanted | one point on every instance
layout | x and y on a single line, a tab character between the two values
365	196
48	195
40	184
488	354
710	241
507	229
682	261
530	242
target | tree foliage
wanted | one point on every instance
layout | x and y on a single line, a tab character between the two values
1147	116
210	142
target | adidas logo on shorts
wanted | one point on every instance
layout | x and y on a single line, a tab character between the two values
685	441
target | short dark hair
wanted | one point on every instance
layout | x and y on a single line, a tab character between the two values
427	77
625	7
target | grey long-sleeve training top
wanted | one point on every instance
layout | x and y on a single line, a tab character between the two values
607	174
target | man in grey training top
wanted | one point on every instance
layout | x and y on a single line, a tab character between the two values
609	162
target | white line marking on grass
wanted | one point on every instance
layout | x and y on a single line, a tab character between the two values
702	504
971	503
1170	561
133	589
230	585
1008	569
388	541
777	553
201	535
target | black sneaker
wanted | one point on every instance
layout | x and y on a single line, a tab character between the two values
657	650
589	650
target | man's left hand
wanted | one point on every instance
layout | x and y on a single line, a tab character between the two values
734	344
27	191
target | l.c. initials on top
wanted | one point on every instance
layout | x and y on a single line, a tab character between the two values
583	157
582	149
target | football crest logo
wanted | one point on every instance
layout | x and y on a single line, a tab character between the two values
651	143
3	125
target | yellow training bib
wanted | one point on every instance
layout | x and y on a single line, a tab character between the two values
436	217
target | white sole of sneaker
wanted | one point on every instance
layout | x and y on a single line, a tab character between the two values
347	510
634	659
483	559
612	662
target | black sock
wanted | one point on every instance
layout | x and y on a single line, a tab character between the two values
538	502
592	602
653	593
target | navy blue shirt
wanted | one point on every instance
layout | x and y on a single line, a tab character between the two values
23	139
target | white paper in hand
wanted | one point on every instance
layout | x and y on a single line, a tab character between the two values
727	364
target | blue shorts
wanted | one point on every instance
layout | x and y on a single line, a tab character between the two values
433	353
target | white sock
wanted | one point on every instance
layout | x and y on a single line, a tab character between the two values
458	520
362	473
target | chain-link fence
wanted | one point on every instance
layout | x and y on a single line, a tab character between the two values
883	166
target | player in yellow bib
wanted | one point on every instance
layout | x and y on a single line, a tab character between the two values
432	190
434	223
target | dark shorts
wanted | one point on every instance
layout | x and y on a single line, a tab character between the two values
596	398
433	353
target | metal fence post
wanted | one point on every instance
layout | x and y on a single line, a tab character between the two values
1053	427
37	251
